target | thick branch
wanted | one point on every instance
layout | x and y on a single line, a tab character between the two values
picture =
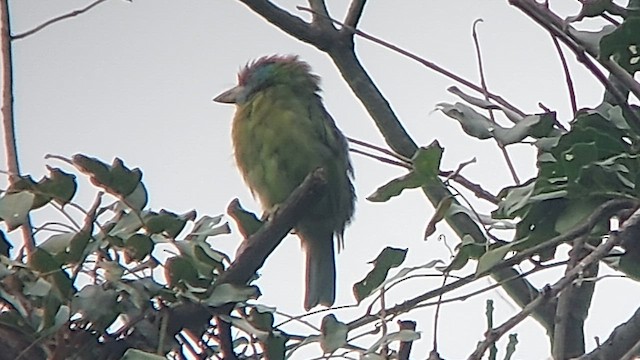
261	244
288	23
8	122
255	251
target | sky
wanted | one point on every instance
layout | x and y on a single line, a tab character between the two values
135	80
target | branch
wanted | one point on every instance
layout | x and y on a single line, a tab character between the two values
552	23
339	45
547	294
288	23
255	251
8	121
627	230
57	19
261	244
354	13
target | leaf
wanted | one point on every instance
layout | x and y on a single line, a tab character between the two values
206	226
167	222
137	200
14	208
138	246
246	326
333	334
40	288
485	104
481	127
395	187
402	335
491	258
472	122
426	166
229	293
98	171
59	186
441	211
135	354
179	270
388	258
123	180
593	38
97	305
248	223
262	320
623	45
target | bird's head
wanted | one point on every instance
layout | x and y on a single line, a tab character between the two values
269	71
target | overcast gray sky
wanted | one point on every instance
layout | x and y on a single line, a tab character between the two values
135	80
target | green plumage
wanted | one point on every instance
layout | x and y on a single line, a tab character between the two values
281	132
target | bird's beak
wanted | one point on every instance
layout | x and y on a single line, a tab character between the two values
230	96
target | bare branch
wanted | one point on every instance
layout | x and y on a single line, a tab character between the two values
556	26
567	75
288	23
485	91
8	121
57	19
547	294
354	13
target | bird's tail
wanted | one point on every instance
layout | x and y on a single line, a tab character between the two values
321	267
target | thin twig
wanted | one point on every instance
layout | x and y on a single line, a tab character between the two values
56	19
424	62
605	210
436	317
485	92
547	294
380	149
567	75
381	159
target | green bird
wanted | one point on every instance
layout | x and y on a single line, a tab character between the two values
281	132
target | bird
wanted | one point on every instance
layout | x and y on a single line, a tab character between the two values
281	132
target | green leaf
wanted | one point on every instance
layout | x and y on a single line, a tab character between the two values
490	258
404	335
98	171
248	223
40	288
333	334
179	270
97	305
441	211
59	186
206	226
262	320
14	208
138	246
426	161
123	180
426	166
481	127
138	199
624	45
229	293
387	259
127	224
395	187
167	222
